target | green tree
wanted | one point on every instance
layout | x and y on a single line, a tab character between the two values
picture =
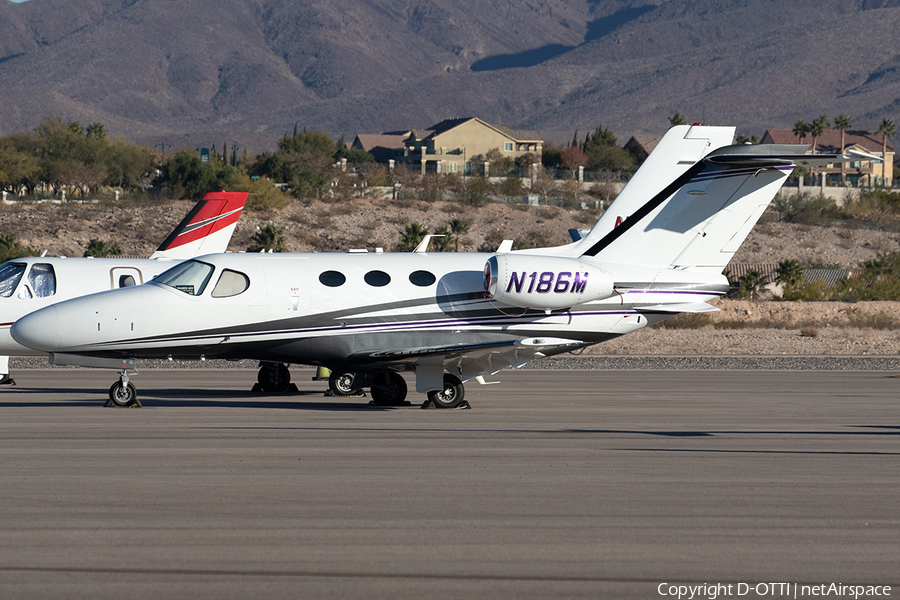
100	249
189	176
801	129
789	272
459	227
886	129
10	248
268	238
96	130
842	123
751	284
677	119
817	128
411	236
443	241
603	152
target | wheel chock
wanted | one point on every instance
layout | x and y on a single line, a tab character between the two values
464	405
135	404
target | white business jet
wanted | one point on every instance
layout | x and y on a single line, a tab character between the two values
28	284
659	250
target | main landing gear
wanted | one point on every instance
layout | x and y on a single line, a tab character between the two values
388	388
274	378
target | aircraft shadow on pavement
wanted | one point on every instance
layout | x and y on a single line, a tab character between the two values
21	397
301	400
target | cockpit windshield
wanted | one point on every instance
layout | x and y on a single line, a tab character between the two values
10	275
189	277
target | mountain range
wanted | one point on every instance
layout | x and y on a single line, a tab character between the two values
198	72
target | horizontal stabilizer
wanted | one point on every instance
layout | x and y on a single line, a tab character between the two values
687	307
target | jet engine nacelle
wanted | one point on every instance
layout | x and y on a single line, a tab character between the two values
544	282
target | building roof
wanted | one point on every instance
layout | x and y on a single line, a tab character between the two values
518	135
380	146
830	141
642	145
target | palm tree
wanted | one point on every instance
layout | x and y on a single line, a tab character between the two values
817	128
268	238
459	227
801	128
886	129
441	240
677	119
788	272
411	236
842	123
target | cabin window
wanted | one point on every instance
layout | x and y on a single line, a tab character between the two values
42	279
332	279
377	278
10	275
422	278
231	283
126	281
189	277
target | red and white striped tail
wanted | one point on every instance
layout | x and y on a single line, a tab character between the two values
207	229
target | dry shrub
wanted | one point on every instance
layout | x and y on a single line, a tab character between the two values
866	320
809	332
686	321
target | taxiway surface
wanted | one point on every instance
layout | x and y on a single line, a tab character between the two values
563	484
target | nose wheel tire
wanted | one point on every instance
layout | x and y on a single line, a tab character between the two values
451	396
389	389
122	395
274	378
341	384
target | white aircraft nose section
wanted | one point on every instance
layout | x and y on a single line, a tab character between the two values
38	330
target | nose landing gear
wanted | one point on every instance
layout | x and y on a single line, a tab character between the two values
123	393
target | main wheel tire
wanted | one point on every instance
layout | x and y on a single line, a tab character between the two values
451	396
341	384
122	395
274	378
388	389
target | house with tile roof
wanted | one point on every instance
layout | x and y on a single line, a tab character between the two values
449	146
856	173
382	146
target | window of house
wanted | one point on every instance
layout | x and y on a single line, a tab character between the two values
377	278
332	279
422	278
231	283
508	146
453	167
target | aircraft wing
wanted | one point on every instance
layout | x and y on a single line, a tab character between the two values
470	360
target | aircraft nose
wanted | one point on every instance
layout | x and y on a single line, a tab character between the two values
37	330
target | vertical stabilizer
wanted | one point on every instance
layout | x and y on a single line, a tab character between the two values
207	229
700	218
680	149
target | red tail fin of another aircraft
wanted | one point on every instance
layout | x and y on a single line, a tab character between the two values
207	229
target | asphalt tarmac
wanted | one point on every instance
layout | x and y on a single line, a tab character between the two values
557	484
